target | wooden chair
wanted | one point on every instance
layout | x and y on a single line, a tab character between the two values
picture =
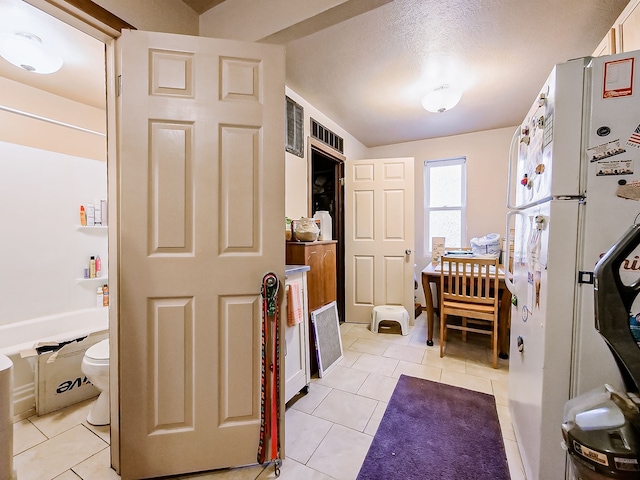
469	289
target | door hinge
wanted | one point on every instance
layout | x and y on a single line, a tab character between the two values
585	277
342	182
119	86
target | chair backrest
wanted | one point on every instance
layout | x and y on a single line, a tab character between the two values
469	280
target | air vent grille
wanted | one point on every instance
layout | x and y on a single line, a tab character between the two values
295	128
326	136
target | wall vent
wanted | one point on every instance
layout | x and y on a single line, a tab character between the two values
326	136
295	128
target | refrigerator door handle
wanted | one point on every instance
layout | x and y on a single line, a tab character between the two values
508	275
513	158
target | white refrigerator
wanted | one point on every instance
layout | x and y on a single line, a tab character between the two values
574	189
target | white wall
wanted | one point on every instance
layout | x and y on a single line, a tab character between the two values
42	250
487	156
296	168
170	16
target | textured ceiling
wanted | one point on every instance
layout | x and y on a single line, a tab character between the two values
370	72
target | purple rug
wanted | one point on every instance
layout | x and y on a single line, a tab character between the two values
436	431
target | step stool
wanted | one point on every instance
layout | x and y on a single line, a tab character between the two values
396	313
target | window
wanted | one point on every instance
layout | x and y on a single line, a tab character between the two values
445	201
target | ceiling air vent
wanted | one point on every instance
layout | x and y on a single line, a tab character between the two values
295	128
326	136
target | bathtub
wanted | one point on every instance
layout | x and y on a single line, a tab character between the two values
20	336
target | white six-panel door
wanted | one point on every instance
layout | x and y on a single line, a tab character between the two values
201	207
378	236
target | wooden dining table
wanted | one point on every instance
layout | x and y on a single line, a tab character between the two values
431	274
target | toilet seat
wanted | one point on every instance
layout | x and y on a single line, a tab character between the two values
99	352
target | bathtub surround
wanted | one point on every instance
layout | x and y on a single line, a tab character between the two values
44	249
43	295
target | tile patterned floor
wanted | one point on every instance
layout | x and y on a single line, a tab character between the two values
328	431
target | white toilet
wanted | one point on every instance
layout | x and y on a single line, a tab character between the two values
95	365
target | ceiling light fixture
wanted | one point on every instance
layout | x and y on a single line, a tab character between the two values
441	99
25	50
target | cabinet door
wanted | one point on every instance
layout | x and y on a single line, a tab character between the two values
629	28
296	363
313	258
329	273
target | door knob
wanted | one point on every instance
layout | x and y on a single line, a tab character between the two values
407	251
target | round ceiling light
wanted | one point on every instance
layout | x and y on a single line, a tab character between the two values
26	51
441	99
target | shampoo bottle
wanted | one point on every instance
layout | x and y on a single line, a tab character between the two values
99	299
92	267
98	266
83	216
105	295
91	214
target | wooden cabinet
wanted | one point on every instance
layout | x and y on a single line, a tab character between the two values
297	366
624	35
321	278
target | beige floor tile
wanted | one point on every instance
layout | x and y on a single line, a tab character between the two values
376	418
347	409
303	434
97	467
307	403
469	382
504	416
103	431
375	363
513	458
405	352
348	340
341	453
378	387
346	379
292	470
501	391
448	362
484	368
57	422
68	475
346	327
243	473
26	435
58	454
349	358
419	371
372	347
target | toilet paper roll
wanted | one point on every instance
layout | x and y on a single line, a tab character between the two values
6	418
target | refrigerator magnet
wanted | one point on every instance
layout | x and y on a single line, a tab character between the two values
614	167
605	150
634	138
618	78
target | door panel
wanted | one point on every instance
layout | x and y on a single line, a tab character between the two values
200	204
379	232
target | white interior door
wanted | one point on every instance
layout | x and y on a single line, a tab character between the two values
200	207
379	236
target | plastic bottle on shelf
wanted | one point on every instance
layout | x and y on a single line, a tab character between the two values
105	295
325	224
99	297
97	213
83	216
98	266
92	267
91	214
